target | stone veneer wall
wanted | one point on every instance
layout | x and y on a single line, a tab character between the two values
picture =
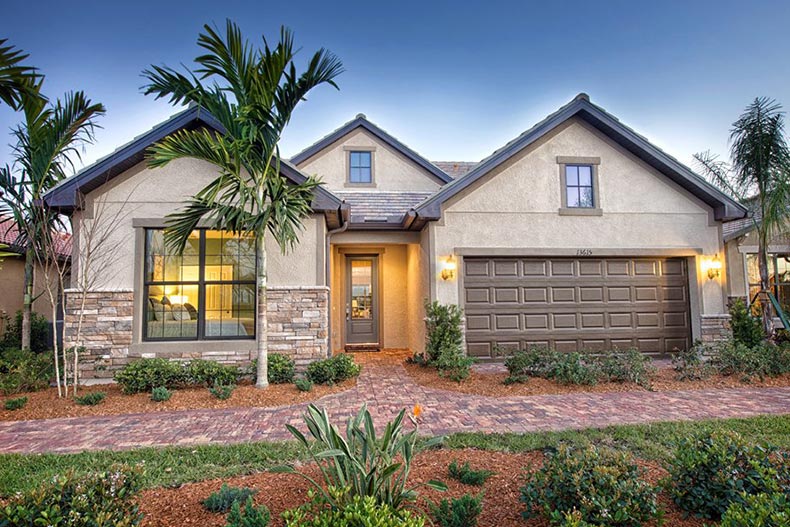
298	327
715	328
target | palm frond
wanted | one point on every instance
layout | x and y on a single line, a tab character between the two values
15	76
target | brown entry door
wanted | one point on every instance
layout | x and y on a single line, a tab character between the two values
576	304
362	301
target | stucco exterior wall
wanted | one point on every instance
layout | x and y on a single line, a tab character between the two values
12	283
517	208
391	170
736	270
150	194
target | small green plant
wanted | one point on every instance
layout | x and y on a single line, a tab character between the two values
534	361
144	375
763	360
282	368
225	497
761	510
602	486
333	370
303	384
24	371
746	329
711	471
90	398
249	516
627	366
359	511
40	331
161	394
458	512
576	368
691	365
361	462
222	391
444	342
467	475
15	404
199	372
99	499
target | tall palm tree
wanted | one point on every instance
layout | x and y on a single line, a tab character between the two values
253	92
759	170
13	74
46	145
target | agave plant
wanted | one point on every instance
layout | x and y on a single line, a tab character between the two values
359	461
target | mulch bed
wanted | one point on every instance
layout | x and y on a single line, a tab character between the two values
46	404
492	384
501	507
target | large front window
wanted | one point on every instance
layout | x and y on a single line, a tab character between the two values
778	277
207	292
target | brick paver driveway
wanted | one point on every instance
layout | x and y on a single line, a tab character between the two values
387	388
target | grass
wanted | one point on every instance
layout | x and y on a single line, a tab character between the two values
173	466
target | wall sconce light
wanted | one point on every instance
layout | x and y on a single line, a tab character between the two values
448	269
713	266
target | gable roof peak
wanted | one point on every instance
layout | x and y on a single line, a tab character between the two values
582	97
361	116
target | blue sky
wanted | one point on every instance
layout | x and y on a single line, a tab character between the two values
453	80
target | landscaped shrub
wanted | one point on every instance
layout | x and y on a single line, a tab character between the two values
762	510
161	394
24	371
534	361
576	368
627	366
458	512
303	385
40	333
15	404
691	364
199	372
97	500
359	511
444	342
281	368
709	472
604	487
249	516
90	398
763	360
333	370
746	329
359	461
222	391
225	497
467	475
146	374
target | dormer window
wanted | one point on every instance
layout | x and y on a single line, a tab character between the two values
360	169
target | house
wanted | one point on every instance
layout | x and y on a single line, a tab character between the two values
12	271
578	234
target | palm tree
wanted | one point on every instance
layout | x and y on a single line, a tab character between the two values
759	171
252	94
13	74
46	145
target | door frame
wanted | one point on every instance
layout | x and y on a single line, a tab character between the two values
362	252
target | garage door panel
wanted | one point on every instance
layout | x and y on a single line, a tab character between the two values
574	304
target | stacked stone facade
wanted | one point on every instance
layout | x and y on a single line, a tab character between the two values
715	328
298	327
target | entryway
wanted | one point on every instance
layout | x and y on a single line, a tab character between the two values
362	302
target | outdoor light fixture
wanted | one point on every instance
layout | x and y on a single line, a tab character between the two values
713	265
448	269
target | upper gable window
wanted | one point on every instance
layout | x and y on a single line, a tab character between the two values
360	167
581	194
579	187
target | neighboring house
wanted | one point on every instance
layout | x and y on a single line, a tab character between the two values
12	271
577	234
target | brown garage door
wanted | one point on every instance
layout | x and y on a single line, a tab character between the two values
574	304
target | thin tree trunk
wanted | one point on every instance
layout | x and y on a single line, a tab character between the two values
765	286
27	302
55	345
262	319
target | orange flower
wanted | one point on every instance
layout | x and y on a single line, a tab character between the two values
417	411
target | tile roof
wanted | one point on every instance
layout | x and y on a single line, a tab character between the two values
737	228
455	169
10	236
380	206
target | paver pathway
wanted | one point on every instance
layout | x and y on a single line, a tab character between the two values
386	387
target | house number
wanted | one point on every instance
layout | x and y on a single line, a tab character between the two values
583	252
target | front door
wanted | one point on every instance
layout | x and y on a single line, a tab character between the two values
362	300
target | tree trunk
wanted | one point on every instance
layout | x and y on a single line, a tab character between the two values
765	287
55	345
27	302
262	319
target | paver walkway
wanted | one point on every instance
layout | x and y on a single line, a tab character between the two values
386	387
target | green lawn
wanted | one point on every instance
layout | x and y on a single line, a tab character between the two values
173	466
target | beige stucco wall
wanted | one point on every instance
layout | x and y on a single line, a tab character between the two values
143	193
12	279
516	208
391	170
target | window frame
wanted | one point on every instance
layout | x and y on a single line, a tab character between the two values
360	150
773	272
570	161
201	284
